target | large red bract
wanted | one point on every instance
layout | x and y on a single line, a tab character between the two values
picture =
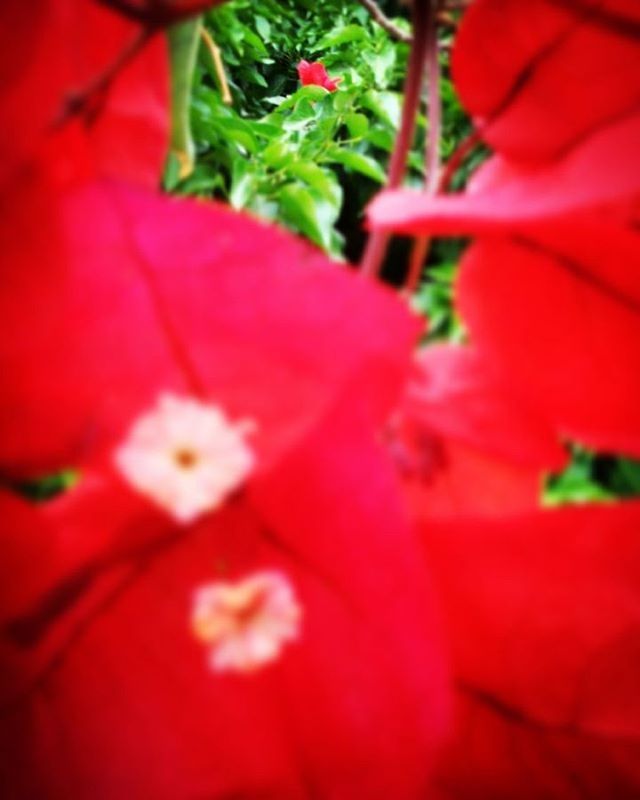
538	80
543	617
109	691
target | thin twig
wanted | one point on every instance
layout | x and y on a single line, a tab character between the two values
216	57
376	246
384	22
421	245
457	157
420	248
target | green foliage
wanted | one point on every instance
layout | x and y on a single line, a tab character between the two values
284	152
47	487
591	477
305	157
434	300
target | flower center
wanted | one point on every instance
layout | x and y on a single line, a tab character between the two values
186	456
246	624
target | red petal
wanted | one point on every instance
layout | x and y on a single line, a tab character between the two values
62	49
31	74
464	444
544	619
466	481
454	392
602	170
130	137
353	709
557	73
245	314
568	347
314	74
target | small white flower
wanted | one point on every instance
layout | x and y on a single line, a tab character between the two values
186	456
246	624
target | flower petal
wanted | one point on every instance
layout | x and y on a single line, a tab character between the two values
544	618
124	310
559	72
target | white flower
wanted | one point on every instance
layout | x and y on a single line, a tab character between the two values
246	624
186	456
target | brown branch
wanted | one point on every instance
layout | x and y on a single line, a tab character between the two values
420	248
384	22
373	256
455	162
216	57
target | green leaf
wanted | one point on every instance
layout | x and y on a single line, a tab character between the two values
350	33
357	125
342	100
264	28
382	138
238	131
47	487
358	162
381	63
242	183
265	129
255	42
385	105
277	154
626	477
309	213
202	182
303	93
317	178
300	117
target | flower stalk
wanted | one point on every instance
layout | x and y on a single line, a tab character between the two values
373	256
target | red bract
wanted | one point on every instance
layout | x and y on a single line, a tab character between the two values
128	309
75	60
550	294
464	444
543	616
553	305
29	68
569	346
106	689
554	72
514	197
128	121
315	74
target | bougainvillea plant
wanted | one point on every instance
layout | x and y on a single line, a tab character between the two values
300	553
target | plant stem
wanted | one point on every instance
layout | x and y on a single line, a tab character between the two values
218	66
455	162
384	22
421	245
376	246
